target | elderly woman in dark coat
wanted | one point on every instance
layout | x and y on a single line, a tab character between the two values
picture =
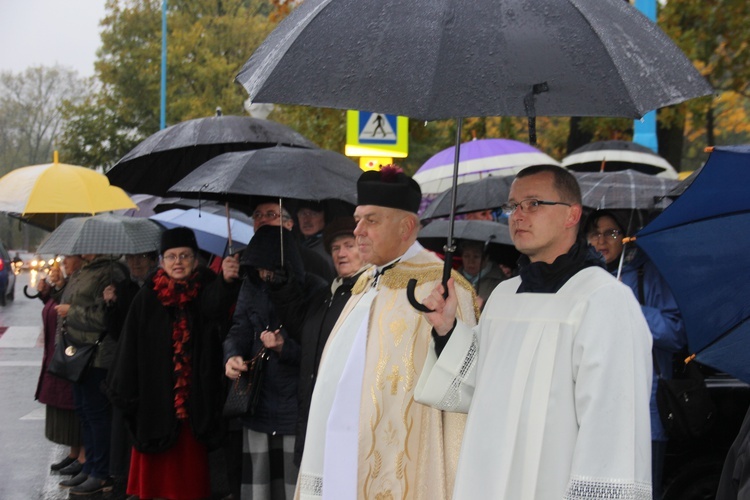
167	373
257	324
81	315
61	425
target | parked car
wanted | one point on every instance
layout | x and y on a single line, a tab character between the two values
7	277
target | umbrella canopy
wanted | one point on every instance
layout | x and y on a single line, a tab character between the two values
304	174
612	156
103	234
486	194
434	59
478	158
210	229
58	188
699	243
170	154
494	234
624	189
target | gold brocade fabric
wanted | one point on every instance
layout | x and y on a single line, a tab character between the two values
406	450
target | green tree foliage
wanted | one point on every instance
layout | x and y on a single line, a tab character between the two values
716	36
208	41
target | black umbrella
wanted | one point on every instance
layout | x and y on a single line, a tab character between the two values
494	235
433	59
304	174
485	194
283	172
170	154
613	156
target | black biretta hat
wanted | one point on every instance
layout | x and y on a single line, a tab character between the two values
178	237
389	187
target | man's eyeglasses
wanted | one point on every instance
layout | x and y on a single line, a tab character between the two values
258	215
609	233
528	206
173	257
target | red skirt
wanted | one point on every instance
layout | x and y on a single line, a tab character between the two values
179	473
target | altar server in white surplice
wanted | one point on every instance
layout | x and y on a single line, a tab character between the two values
366	436
556	377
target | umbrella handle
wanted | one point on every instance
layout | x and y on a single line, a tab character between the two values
27	294
412	285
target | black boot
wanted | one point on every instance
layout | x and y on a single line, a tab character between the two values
73	469
75	480
93	485
62	463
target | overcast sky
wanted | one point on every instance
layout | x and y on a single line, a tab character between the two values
49	32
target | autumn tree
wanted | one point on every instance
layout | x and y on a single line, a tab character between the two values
208	41
716	37
30	113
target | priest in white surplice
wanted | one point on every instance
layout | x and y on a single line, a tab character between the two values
556	377
366	436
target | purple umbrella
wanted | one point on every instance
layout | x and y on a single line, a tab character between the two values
478	158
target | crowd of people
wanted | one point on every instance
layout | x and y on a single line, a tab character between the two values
532	383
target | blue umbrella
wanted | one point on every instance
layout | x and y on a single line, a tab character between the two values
700	245
210	229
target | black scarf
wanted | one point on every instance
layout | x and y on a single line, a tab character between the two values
541	277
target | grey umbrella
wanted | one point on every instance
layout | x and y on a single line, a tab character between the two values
170	154
624	189
433	59
103	234
304	174
485	194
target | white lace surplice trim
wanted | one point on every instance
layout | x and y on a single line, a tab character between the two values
311	484
589	488
452	397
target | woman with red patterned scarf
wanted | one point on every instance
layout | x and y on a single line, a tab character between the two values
167	374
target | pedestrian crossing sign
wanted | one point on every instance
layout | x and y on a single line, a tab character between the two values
376	134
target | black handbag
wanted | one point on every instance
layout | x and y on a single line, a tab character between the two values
72	357
244	393
685	406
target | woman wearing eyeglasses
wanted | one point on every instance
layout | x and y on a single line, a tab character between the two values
605	231
167	376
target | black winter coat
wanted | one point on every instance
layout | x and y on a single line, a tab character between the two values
141	379
255	312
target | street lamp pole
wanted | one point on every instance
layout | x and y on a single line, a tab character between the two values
645	128
163	114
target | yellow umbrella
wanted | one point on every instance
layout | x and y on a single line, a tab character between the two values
59	188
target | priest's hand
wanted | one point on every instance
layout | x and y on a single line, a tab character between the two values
235	366
443	316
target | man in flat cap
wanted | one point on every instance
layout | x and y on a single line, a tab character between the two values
367	437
